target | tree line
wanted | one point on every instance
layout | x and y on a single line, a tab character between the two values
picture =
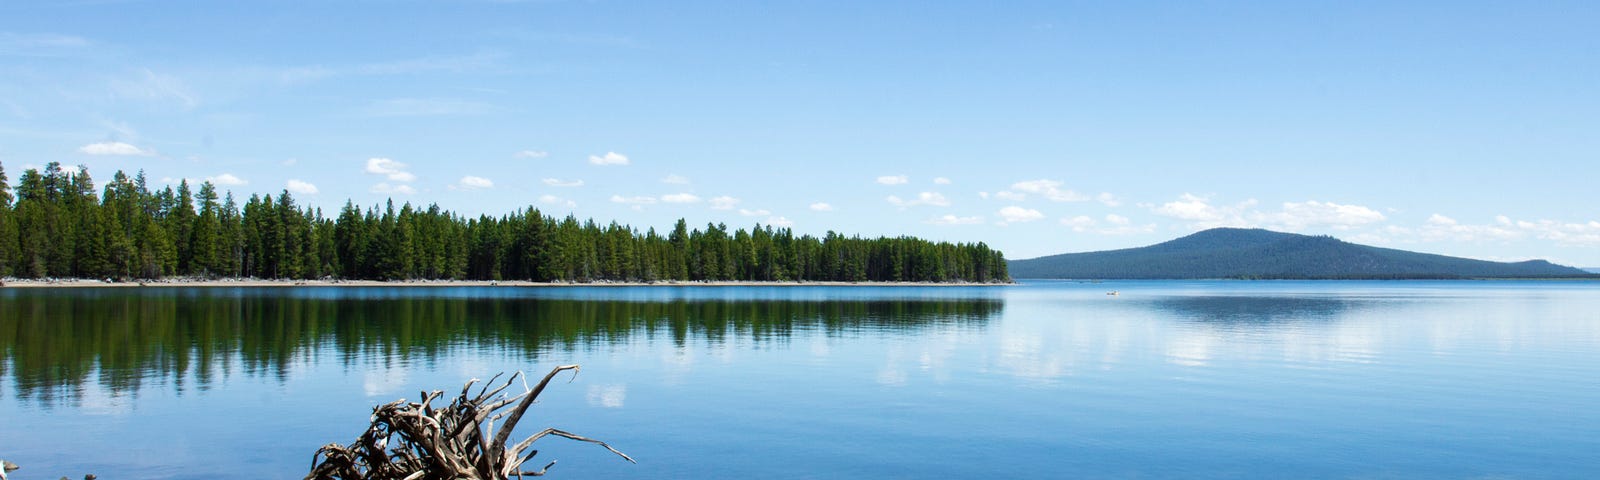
57	225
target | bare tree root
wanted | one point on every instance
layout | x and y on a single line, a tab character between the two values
414	441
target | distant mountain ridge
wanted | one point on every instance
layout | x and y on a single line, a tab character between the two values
1256	253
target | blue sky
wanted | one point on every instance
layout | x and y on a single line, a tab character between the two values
1462	128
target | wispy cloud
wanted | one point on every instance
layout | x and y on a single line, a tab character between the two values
300	187
1201	212
387	189
634	200
610	158
39	44
1107	199
556	182
754	213
1015	214
457	63
941	181
531	154
557	201
1113	225
780	222
226	179
724	203
934	199
948	219
427	107
680	198
390	169
1294	215
147	85
894	180
1049	189
115	148
470	182
675	179
821	207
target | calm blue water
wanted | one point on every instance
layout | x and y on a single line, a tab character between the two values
1224	379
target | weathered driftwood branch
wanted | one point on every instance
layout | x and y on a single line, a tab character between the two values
414	441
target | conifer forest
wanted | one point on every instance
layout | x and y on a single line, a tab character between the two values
56	224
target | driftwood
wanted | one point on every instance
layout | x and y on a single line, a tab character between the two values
414	441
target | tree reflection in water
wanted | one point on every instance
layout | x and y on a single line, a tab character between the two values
54	342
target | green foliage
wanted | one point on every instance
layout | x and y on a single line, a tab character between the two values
59	228
1261	254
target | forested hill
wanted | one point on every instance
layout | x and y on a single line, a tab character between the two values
1241	253
60	226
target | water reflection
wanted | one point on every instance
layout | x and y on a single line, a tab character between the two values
1255	311
57	346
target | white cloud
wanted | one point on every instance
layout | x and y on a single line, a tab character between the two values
780	222
925	198
531	154
290	162
1198	209
1441	228
724	203
636	200
1107	199
114	148
1080	223
894	179
556	182
948	219
821	207
1565	233
1291	216
754	213
390	169
1295	216
610	158
1015	214
941	181
470	182
300	187
554	200
1118	225
1010	196
680	198
676	179
226	179
1050	189
385	188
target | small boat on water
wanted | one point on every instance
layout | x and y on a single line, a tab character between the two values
1113	292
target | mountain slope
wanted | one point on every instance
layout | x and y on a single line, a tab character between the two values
1242	253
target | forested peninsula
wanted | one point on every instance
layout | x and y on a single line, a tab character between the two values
56	226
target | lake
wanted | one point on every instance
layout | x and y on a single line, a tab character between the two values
1168	379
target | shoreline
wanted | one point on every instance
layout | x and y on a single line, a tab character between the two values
260	282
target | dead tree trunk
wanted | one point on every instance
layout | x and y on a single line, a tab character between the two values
414	441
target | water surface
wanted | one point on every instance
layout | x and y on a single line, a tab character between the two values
1042	380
